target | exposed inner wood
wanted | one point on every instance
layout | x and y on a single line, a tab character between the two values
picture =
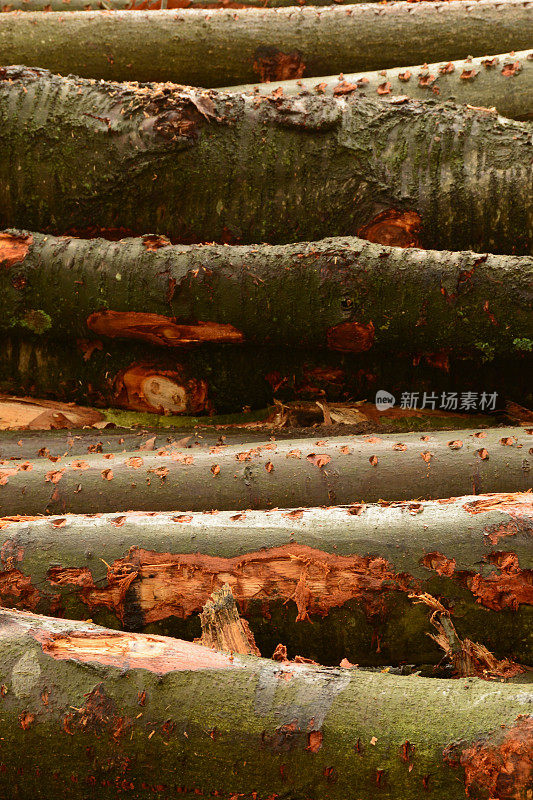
155	653
17	413
222	627
160	330
143	387
499	765
394	228
13	248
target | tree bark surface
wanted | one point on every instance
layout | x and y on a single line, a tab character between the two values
244	168
328	583
204	48
203	166
338	293
136	5
504	81
239	384
275	474
85	709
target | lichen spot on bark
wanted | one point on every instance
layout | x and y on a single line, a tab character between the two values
13	248
499	765
272	64
157	654
394	228
351	337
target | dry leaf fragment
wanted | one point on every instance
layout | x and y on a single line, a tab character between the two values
319	459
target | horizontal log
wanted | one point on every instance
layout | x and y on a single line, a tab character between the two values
504	81
202	48
31	428
151	5
329	583
328	166
214	385
274	474
86	710
181	296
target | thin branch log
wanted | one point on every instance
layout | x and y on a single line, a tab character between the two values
284	474
504	81
202	48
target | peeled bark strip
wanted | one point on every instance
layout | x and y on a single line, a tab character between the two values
329	583
156	715
183	296
504	81
469	659
275	474
185	163
239	46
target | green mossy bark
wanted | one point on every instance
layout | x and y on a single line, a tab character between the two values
209	166
379	625
472	304
504	81
268	477
235	728
201	48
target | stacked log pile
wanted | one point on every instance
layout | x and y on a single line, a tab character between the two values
266	408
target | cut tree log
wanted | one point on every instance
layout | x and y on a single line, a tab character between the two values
201	48
181	296
329	583
86	710
504	81
136	5
223	381
275	474
200	166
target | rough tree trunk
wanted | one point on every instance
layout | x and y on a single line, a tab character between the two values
119	5
223	381
274	474
178	296
328	583
504	81
89	710
201	48
211	166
